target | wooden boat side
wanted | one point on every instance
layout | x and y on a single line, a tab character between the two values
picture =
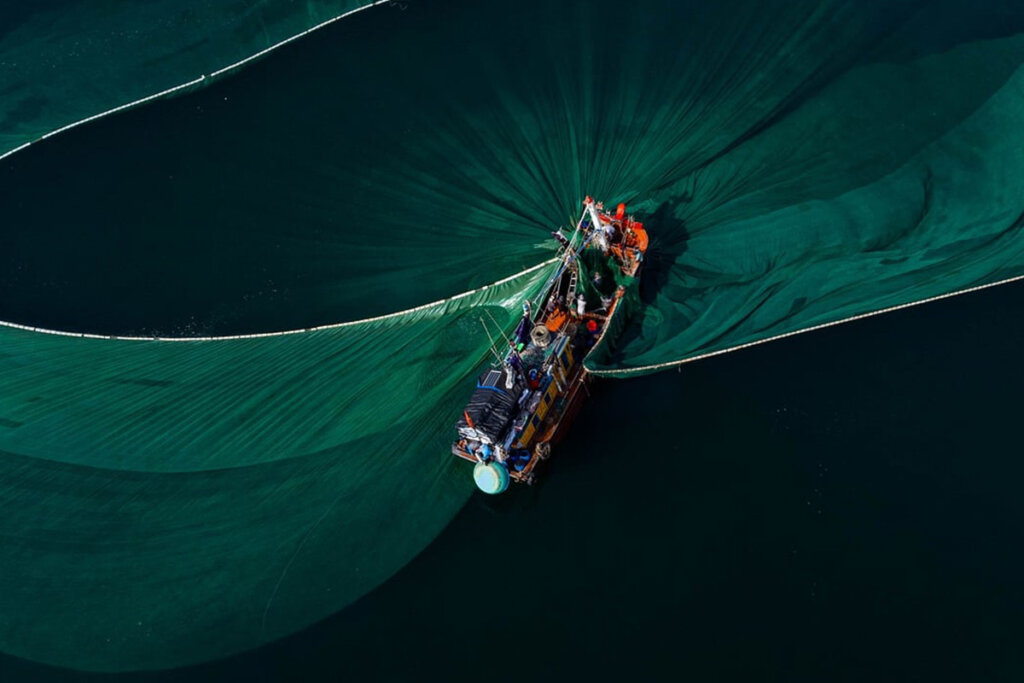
569	392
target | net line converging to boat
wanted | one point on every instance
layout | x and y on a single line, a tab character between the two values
260	335
196	81
624	372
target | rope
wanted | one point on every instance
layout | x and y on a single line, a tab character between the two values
331	326
675	363
195	81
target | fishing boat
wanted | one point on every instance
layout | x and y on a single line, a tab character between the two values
525	401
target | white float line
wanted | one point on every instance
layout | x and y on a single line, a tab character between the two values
196	81
295	37
675	363
16	149
154	96
332	326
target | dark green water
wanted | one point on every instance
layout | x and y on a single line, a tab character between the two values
839	506
800	162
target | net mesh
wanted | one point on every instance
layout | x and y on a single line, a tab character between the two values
166	502
65	60
795	163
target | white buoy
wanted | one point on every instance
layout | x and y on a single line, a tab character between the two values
491	477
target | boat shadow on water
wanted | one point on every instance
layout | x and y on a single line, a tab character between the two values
669	241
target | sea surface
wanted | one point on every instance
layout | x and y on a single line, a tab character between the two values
842	505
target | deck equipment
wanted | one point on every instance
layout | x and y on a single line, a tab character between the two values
524	402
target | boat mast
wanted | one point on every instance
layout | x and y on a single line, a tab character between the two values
595	218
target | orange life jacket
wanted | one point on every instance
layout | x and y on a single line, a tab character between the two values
639	237
556	319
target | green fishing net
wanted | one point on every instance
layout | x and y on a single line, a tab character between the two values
62	61
796	163
166	502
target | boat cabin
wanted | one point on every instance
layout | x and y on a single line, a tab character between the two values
523	404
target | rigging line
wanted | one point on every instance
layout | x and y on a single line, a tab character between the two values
506	339
491	339
291	560
259	335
